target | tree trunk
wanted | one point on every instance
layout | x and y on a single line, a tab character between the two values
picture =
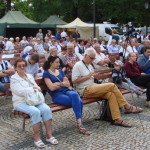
8	5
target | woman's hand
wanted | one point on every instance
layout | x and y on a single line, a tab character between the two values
37	88
65	82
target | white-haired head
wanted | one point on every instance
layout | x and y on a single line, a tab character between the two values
89	51
52	49
11	39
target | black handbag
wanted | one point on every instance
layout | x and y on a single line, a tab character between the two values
106	114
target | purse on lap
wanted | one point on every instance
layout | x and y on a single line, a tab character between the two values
35	98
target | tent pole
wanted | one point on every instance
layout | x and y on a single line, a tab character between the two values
94	29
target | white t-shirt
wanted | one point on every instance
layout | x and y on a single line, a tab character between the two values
80	70
63	34
98	58
9	46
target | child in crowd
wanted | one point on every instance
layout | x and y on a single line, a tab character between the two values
118	76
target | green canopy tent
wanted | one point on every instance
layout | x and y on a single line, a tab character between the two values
15	19
52	22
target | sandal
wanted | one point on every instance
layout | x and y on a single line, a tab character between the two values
133	109
39	144
82	130
52	140
122	123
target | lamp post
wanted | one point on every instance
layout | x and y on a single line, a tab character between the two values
94	30
147	4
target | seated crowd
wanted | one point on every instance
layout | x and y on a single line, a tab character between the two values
62	58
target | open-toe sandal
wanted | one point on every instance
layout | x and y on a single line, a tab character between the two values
122	123
52	140
39	144
133	109
83	130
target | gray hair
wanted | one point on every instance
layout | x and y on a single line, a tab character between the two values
95	45
89	51
51	49
11	39
113	41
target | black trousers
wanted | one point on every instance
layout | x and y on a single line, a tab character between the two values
143	80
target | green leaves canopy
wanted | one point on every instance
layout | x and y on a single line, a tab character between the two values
116	11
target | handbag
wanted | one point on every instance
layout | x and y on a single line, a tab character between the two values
35	98
106	114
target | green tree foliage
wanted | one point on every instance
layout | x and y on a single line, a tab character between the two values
24	6
2	8
116	11
123	11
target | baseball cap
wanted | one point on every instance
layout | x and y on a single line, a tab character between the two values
1	50
118	62
95	39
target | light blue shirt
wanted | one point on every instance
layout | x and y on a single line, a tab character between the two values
113	49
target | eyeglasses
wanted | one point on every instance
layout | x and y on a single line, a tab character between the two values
20	66
91	57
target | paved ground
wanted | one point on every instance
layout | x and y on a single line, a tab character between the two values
104	136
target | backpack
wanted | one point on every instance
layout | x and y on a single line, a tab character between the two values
105	112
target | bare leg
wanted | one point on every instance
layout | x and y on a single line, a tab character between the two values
81	128
48	127
36	132
49	137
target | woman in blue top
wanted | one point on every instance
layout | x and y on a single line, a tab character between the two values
57	86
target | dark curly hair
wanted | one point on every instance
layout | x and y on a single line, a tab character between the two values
50	59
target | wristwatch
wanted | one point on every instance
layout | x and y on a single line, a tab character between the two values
3	71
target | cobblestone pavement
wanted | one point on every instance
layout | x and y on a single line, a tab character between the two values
104	136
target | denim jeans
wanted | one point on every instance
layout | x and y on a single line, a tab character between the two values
2	89
36	112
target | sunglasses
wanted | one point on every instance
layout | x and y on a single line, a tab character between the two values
91	57
20	66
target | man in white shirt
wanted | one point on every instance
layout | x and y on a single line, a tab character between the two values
24	42
63	34
9	46
101	61
83	80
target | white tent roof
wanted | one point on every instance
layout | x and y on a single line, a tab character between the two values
75	24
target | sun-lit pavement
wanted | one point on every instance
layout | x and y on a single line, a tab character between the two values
104	136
